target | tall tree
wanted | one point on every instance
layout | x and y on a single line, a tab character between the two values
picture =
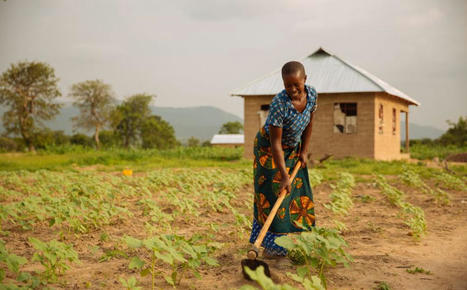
158	133
231	128
129	117
29	90
95	101
456	134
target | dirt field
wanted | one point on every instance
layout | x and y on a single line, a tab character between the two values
378	241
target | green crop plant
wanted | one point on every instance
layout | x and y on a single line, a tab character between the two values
413	216
315	177
130	284
13	263
411	178
418	270
341	196
451	181
177	252
264	281
382	286
320	248
53	255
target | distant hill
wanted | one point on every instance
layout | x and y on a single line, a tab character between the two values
203	122
200	122
418	131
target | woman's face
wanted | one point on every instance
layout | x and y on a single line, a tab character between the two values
294	84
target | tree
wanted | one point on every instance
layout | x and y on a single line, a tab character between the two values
95	101
129	117
456	134
231	128
157	133
29	89
193	142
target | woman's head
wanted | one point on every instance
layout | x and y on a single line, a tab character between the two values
294	77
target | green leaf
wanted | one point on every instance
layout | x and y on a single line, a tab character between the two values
132	242
136	263
145	272
285	242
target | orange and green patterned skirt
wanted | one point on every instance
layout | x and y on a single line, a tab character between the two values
296	211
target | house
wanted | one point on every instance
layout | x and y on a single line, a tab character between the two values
358	114
227	140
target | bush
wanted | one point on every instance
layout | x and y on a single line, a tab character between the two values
81	139
7	144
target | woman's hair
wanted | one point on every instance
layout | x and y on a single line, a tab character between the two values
293	67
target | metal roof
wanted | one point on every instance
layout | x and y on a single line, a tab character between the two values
328	73
228	139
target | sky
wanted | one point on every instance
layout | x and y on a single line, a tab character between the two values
194	53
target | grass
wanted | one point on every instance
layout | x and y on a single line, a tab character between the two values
425	151
121	158
143	160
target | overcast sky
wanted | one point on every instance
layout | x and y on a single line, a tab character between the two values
194	52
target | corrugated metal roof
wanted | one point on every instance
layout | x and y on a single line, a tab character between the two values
328	73
228	139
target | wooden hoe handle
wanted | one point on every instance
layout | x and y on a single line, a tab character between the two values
272	214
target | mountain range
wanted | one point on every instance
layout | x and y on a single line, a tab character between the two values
203	122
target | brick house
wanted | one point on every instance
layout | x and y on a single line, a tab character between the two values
358	114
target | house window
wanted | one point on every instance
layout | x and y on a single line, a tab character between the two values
380	119
394	121
345	118
263	114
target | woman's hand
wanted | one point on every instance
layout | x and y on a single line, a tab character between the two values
303	159
285	184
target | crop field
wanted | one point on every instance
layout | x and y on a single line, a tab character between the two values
157	222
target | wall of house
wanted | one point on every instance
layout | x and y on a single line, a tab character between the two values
387	144
324	139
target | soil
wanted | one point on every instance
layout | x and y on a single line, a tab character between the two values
378	240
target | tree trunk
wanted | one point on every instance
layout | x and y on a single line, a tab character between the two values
96	138
26	136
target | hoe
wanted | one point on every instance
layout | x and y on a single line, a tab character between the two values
252	262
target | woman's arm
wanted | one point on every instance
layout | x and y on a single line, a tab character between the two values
306	141
278	156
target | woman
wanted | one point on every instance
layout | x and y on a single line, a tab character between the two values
281	142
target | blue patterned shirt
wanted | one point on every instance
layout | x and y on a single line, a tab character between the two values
283	114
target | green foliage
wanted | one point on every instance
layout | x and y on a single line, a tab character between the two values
428	152
413	216
176	251
130	284
81	139
264	281
382	286
12	261
341	196
456	134
418	270
84	202
129	117
28	90
46	137
411	178
320	248
95	101
315	177
157	133
53	255
193	142
8	144
231	128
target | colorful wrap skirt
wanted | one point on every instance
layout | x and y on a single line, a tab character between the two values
296	211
